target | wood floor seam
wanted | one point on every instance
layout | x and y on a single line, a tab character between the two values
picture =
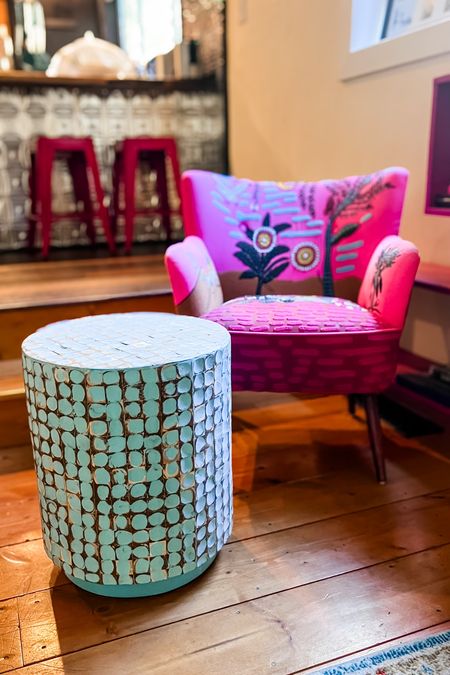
339	515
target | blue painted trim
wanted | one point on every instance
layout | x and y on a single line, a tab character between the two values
293	234
350	246
346	256
231	221
375	660
236	235
345	268
315	223
141	590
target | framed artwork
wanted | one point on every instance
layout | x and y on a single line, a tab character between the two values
398	18
403	16
428	11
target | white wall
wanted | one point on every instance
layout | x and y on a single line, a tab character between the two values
293	118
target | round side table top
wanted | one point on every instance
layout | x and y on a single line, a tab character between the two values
130	340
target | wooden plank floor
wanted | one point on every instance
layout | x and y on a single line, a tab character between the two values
323	563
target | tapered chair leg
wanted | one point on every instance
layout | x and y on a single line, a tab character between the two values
351	400
374	427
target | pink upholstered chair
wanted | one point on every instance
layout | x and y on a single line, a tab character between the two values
300	244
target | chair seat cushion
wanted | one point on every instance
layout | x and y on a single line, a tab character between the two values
308	344
294	314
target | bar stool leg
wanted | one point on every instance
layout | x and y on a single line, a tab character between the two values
33	205
173	155
159	164
117	172
102	211
44	165
81	189
130	165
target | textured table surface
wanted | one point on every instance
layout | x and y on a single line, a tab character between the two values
130	423
125	340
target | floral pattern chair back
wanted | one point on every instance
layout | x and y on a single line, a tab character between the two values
305	238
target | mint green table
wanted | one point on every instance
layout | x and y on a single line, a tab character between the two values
130	424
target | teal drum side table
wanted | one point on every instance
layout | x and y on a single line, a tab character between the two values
130	424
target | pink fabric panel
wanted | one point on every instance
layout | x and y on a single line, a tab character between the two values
317	226
186	263
354	363
308	344
388	282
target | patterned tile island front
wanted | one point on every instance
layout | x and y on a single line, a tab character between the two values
130	424
192	111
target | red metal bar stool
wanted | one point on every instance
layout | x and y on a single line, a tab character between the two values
129	154
82	164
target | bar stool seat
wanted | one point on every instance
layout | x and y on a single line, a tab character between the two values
130	153
82	163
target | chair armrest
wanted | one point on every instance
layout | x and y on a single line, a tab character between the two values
195	283
388	281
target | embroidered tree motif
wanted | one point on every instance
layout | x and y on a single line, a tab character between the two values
346	198
263	257
387	259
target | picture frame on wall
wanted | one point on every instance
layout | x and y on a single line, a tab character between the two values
428	11
405	16
398	18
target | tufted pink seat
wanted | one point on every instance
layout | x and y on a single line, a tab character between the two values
310	344
294	314
320	240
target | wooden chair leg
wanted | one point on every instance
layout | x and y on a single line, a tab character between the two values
351	400
374	427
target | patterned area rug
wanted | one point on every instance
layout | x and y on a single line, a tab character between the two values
430	656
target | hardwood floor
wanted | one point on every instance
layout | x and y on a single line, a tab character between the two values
323	563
